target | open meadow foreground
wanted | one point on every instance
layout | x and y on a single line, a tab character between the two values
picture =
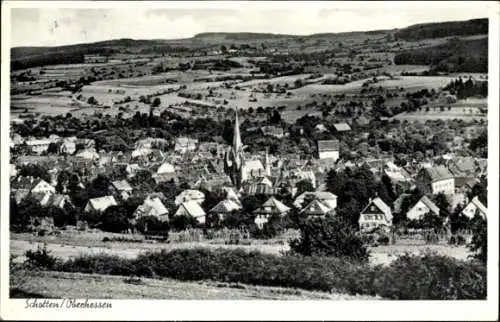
288	165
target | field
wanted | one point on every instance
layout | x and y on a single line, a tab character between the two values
75	285
75	243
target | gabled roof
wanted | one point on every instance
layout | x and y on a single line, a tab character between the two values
438	173
192	208
225	206
429	204
101	203
479	205
151	207
166	168
189	194
328	145
121	185
272	206
341	127
316	208
324	196
381	205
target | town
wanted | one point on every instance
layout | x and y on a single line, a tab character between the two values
270	143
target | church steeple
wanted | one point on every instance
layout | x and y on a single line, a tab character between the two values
234	157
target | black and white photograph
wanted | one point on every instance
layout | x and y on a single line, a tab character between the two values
341	154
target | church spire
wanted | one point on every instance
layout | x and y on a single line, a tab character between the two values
234	159
237	145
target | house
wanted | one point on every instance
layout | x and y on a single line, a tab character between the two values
271	130
328	149
475	207
252	169
120	189
271	207
152	206
38	146
341	127
42	186
224	207
165	172
100	204
191	208
183	145
435	180
190	194
376	214
231	194
328	199
67	147
89	154
316	208
423	206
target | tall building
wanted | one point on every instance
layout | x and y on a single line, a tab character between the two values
234	156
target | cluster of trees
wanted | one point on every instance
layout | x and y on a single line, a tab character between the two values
454	56
444	29
468	88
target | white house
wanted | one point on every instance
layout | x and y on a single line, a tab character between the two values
475	206
328	199
41	186
193	209
329	149
423	206
183	145
376	214
435	180
152	207
316	208
67	147
271	207
189	194
38	146
100	204
224	207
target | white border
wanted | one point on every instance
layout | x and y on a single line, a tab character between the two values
267	310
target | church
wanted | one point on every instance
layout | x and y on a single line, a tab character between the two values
239	168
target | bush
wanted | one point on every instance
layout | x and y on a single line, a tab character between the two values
431	277
408	277
41	258
330	236
383	240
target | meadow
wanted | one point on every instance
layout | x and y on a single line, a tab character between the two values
53	284
72	244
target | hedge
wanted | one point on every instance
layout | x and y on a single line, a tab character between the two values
409	277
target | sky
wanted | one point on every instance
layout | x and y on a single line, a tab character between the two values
49	26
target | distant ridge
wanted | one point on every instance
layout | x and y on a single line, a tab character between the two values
28	57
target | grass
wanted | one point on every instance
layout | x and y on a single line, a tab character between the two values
72	244
76	285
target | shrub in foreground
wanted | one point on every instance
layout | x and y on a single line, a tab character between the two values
409	277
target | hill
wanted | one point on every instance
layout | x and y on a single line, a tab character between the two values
454	56
28	57
444	29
